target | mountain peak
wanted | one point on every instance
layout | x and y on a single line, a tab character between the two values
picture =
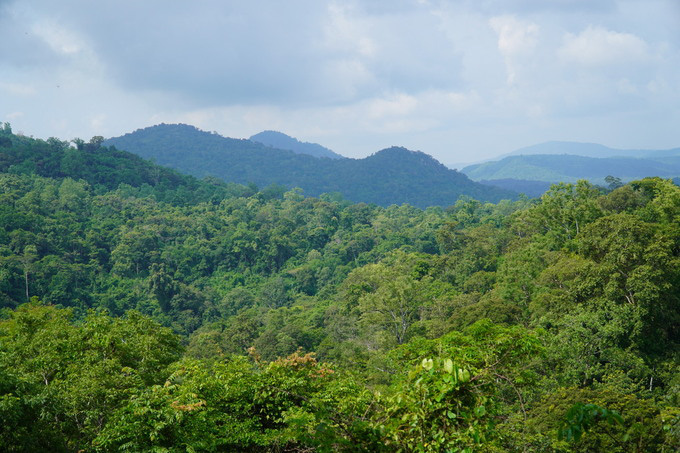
280	140
407	157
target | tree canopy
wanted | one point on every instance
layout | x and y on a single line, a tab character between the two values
151	315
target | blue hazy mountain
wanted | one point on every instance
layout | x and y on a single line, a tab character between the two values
570	168
590	150
282	141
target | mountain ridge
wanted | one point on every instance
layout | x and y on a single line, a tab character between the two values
570	168
283	141
390	176
587	149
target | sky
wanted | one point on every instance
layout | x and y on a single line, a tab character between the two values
461	80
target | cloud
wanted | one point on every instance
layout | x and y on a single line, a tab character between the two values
516	42
597	46
21	47
60	40
514	37
524	7
344	34
213	53
607	71
472	76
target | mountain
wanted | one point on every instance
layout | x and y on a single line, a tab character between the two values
570	168
531	170
391	176
590	150
396	174
282	141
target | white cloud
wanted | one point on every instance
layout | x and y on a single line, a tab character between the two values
474	77
346	34
516	42
515	37
597	46
59	39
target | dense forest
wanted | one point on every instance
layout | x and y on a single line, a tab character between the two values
144	310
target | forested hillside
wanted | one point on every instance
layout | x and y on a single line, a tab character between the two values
391	176
151	315
104	168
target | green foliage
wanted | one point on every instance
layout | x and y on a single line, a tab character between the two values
579	291
580	418
564	210
583	420
289	404
69	378
451	398
436	410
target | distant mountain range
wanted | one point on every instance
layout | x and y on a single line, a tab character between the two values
280	140
569	168
391	176
554	162
590	150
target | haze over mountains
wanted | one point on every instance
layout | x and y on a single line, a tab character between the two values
569	168
532	169
391	176
590	150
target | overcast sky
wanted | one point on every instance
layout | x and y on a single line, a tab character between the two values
462	80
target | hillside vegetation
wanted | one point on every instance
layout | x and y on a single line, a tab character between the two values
138	318
391	176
